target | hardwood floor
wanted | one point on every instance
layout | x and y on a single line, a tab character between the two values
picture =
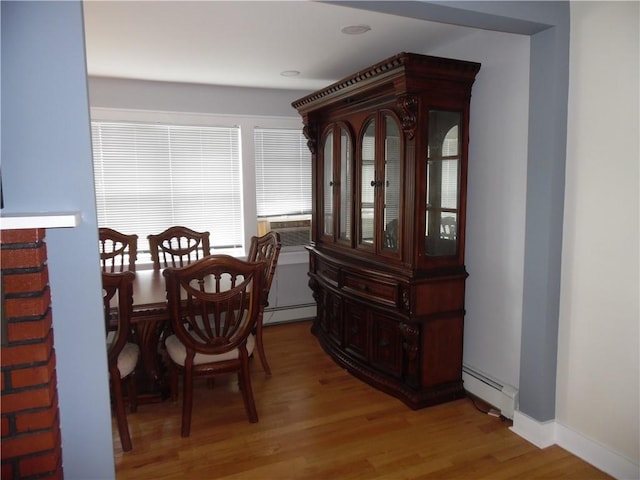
318	422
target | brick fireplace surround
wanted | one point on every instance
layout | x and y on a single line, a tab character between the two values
31	445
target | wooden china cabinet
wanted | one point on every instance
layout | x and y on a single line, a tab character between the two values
386	266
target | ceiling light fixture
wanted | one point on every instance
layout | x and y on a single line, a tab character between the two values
355	29
290	73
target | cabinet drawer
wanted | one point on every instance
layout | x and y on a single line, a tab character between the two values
373	288
328	272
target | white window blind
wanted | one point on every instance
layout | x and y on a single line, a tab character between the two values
283	172
149	177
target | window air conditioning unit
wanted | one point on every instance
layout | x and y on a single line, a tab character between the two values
294	231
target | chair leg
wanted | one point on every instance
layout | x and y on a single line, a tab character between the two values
121	415
244	380
187	403
260	345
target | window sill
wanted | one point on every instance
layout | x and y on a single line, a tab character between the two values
18	221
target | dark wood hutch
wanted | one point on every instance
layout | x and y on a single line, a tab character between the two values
386	266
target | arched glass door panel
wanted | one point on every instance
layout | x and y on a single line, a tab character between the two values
391	185
368	184
345	186
443	183
327	186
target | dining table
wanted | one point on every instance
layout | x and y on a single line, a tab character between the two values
150	322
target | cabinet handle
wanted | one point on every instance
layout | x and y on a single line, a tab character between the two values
373	183
331	184
364	288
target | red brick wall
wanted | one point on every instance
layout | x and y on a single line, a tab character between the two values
29	402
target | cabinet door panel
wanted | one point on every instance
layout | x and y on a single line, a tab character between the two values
355	319
333	305
386	345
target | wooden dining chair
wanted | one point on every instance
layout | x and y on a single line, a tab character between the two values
177	247
118	251
214	304
264	249
122	354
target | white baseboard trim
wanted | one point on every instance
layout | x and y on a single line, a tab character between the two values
541	434
289	314
596	454
502	397
545	434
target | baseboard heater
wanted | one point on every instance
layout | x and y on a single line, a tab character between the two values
290	313
502	397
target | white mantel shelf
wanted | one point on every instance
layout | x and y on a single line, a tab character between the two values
18	221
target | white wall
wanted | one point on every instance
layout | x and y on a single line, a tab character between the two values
496	200
598	363
191	98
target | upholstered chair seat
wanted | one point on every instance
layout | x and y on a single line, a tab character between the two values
128	359
178	352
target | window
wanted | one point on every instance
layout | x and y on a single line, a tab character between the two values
283	184
150	176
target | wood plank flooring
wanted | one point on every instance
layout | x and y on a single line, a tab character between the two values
318	422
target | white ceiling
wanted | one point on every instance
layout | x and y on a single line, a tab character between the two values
247	43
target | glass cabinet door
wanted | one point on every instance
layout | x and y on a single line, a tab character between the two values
391	185
327	186
367	183
345	188
380	175
337	187
443	183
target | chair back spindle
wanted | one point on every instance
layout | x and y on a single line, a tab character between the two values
178	247
118	251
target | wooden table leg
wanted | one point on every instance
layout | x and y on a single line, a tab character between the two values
148	329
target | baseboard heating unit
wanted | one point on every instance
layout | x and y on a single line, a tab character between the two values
502	397
291	313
